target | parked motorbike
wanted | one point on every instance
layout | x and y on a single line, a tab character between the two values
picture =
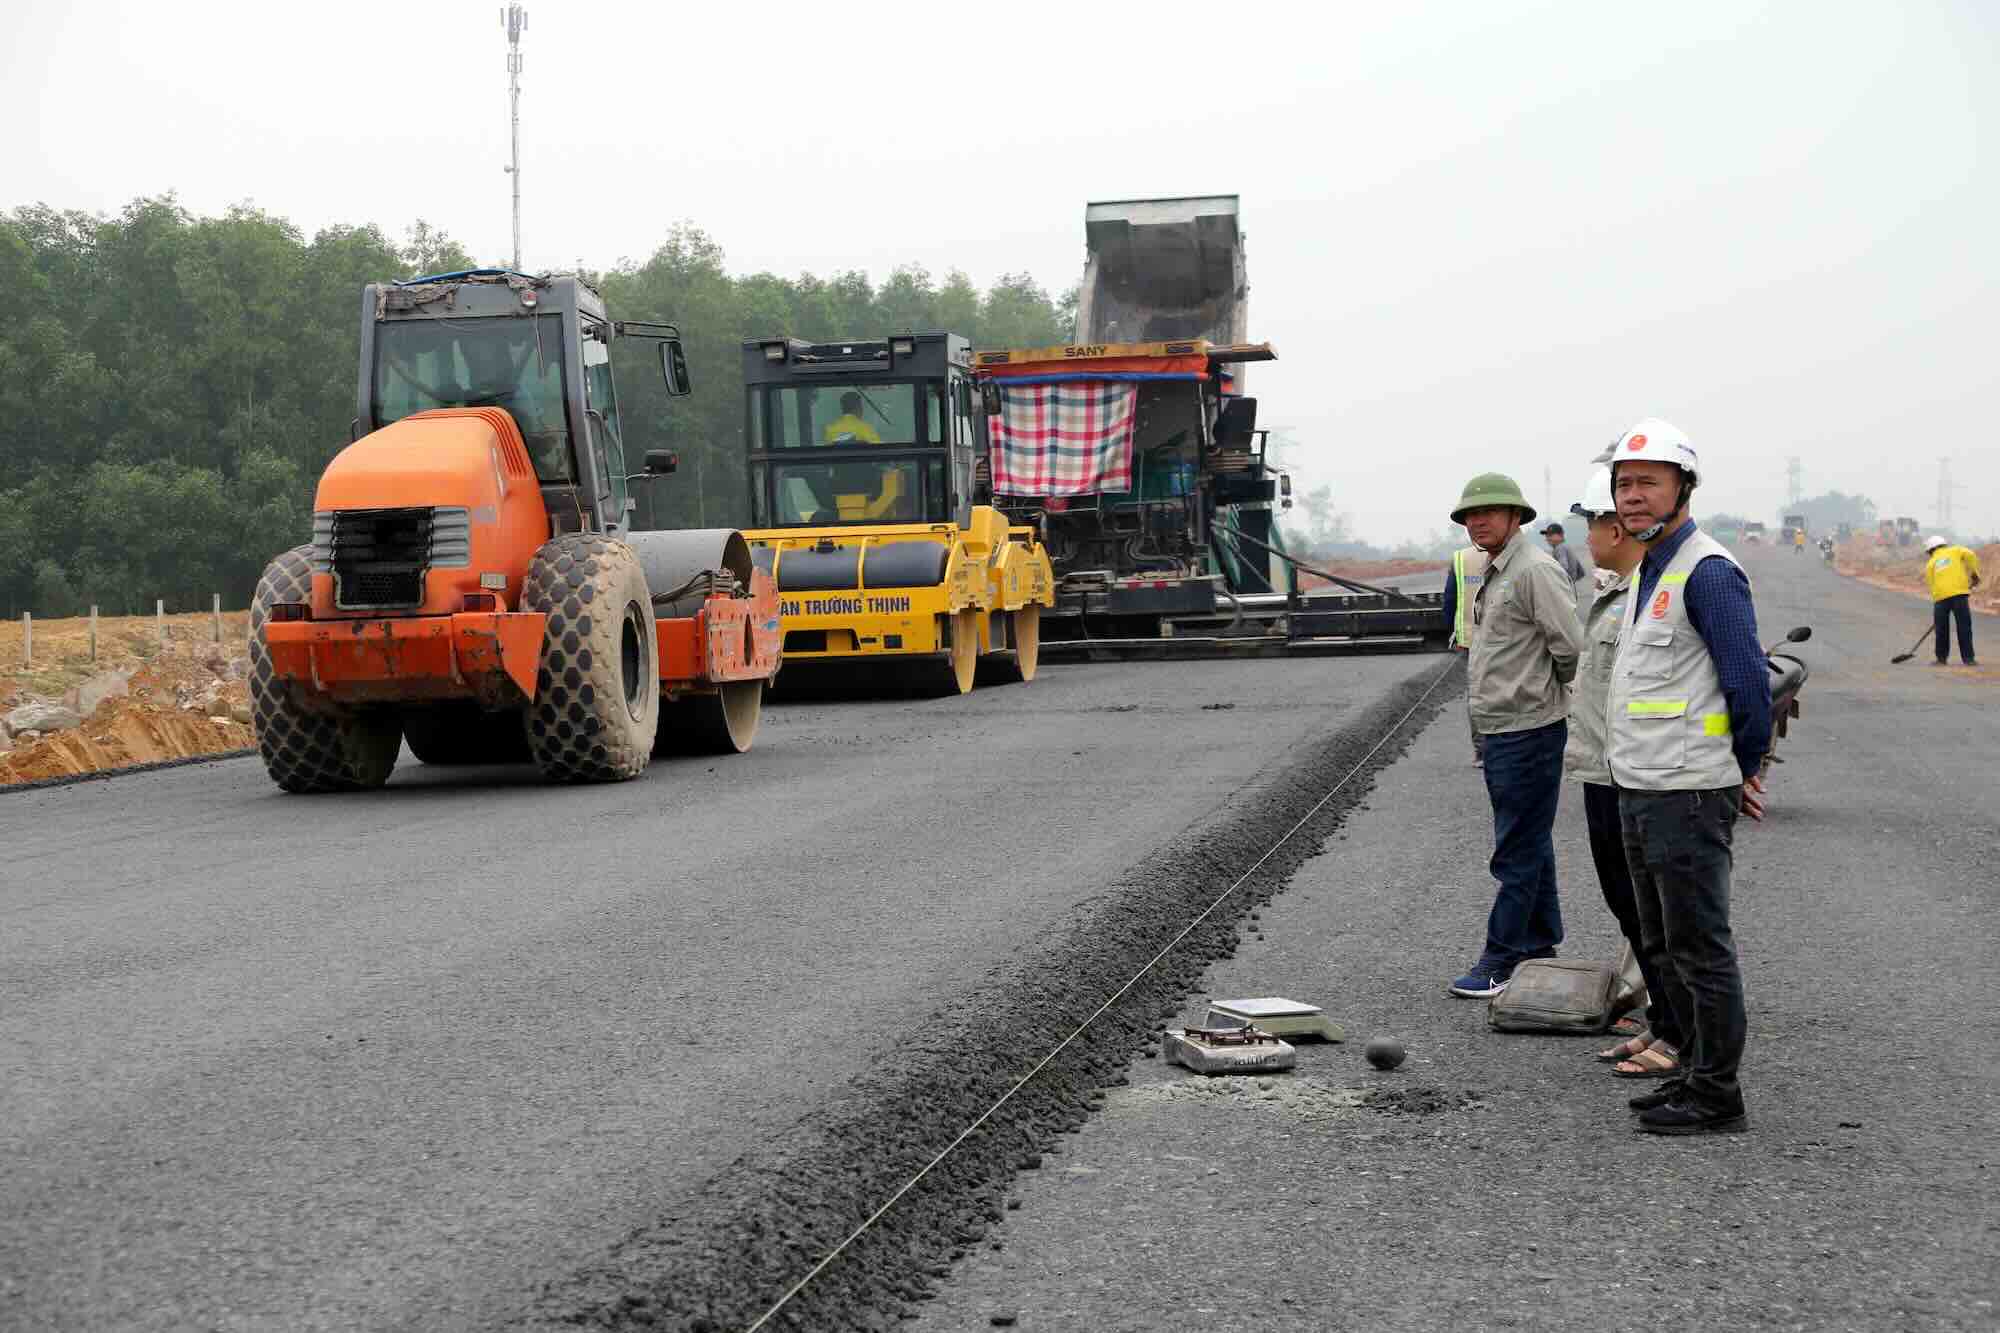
1788	677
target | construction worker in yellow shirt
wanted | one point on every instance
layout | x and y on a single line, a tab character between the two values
1951	573
848	427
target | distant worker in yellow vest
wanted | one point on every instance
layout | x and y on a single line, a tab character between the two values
848	427
1951	573
1461	587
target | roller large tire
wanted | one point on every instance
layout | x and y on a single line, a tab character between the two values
308	752
597	695
460	734
720	723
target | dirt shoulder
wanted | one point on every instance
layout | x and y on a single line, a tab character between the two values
1369	569
138	701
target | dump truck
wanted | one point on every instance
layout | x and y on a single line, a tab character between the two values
1136	454
868	495
473	584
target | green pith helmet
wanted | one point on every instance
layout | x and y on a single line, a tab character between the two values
1492	488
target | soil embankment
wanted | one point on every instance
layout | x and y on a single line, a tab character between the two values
1901	568
1368	570
136	700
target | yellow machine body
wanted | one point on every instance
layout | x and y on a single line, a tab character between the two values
932	594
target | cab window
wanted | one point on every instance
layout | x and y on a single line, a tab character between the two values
509	363
817	415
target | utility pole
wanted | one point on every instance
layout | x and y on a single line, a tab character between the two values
1548	491
514	18
1794	483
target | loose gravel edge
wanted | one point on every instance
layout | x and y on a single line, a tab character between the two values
761	1224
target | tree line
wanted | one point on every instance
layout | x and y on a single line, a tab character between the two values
172	385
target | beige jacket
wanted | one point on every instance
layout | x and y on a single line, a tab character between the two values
1526	642
1584	759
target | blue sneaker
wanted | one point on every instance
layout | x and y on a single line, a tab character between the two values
1482	982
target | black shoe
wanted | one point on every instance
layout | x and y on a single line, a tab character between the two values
1688	1117
1670	1091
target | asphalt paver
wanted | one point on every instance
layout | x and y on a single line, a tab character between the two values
475	1051
1496	1181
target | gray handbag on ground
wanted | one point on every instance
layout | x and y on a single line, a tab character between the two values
1555	995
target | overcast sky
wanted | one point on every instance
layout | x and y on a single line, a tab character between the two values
1481	235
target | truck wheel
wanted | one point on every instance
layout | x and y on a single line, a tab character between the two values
303	751
460	733
597	696
721	723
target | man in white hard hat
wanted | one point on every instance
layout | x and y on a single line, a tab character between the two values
1688	720
1653	1052
1951	573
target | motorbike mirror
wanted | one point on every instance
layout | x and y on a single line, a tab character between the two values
1799	635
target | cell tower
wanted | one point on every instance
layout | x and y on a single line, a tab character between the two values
1794	482
1944	494
514	18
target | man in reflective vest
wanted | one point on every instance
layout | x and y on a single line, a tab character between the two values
1688	721
1525	645
1461	586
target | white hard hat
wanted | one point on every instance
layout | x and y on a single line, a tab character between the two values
1596	496
1656	441
1932	543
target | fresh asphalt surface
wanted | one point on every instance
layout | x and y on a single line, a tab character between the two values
1495	1181
474	1051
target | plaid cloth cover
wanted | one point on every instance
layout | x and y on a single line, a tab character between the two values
1063	439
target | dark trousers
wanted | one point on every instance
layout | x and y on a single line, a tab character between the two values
1945	611
1677	846
1607	850
1524	782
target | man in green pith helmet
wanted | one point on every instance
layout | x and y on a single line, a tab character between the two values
1526	642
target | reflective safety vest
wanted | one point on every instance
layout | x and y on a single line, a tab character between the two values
1667	718
849	429
1468	567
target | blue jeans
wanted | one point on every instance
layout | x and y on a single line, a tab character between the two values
1524	782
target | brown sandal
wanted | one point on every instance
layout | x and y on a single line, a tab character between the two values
1657	1061
1631	1025
1626	1050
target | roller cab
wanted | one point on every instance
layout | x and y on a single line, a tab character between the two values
870	492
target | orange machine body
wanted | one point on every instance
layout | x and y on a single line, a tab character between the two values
474	459
471	459
728	639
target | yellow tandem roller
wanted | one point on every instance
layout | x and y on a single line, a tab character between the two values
925	607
